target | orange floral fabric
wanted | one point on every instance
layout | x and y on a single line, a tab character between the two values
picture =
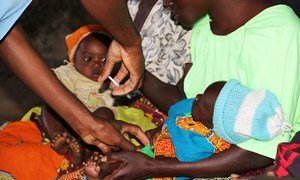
24	156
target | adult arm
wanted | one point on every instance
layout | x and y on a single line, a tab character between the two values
161	94
144	9
114	15
234	160
23	60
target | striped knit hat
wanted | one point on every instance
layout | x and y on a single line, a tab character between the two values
73	40
241	113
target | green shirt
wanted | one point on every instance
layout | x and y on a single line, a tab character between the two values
262	54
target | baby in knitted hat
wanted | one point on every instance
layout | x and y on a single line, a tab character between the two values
226	113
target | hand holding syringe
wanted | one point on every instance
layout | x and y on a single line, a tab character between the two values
116	83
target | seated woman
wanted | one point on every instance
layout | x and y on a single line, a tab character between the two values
253	41
226	113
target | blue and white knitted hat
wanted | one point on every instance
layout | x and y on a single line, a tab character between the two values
241	113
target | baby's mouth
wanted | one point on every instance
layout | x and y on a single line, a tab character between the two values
96	73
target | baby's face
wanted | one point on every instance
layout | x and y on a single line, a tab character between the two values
90	57
203	106
202	110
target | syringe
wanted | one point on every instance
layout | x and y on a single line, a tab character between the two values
116	83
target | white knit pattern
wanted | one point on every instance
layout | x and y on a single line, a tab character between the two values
243	123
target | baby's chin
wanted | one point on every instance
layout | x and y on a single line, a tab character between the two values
93	78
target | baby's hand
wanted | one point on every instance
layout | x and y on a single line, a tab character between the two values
153	134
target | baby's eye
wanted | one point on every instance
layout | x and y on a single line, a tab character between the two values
87	59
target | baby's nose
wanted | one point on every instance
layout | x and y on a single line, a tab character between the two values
99	62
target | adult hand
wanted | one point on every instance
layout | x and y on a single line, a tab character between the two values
153	134
133	161
126	47
133	64
126	128
104	134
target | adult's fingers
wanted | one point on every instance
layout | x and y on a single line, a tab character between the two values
116	174
119	141
93	141
113	56
113	137
104	148
126	145
90	139
106	71
116	156
122	73
130	85
137	132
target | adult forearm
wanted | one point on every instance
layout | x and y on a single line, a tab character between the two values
161	94
114	15
21	58
234	160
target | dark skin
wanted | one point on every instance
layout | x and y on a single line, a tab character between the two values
15	51
64	140
89	61
91	129
164	95
126	47
145	7
203	105
90	56
202	109
227	16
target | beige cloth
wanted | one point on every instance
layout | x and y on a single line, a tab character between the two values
86	90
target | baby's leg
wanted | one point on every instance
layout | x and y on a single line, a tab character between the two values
76	151
104	113
59	143
92	170
51	124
